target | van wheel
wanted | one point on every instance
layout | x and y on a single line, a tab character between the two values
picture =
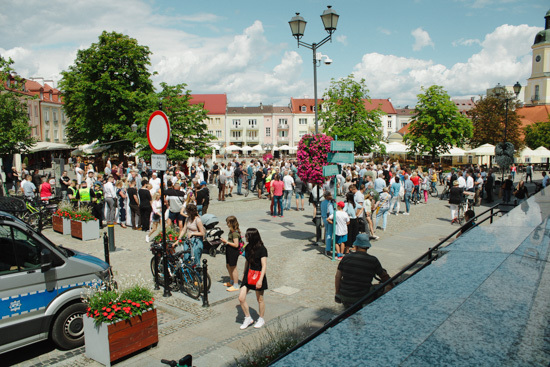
68	327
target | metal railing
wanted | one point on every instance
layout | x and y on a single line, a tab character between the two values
428	257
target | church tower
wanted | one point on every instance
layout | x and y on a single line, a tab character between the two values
537	91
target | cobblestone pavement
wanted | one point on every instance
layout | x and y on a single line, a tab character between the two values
301	279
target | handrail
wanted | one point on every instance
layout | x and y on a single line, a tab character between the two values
374	293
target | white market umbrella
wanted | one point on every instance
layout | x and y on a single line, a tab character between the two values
396	148
258	148
246	148
541	152
215	146
275	148
232	147
284	147
485	149
454	152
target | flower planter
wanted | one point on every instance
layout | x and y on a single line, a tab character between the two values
61	224
109	342
85	230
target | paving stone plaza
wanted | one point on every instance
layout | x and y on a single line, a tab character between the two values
301	282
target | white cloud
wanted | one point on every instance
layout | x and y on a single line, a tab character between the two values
505	57
342	39
421	39
466	42
385	31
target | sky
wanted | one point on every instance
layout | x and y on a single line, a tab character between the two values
245	48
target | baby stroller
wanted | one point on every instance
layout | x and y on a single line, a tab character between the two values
212	240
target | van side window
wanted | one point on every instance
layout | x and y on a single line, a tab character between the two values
18	251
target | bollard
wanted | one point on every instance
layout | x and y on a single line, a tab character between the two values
111	231
205	283
106	247
156	262
318	220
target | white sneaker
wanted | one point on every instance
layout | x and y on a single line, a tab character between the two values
147	238
405	213
259	323
247	322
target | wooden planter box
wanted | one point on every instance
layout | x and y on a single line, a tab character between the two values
110	342
61	224
85	230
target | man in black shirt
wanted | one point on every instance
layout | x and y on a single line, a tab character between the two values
134	205
36	178
64	182
356	271
259	183
203	198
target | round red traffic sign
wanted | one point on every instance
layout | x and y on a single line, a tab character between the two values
158	132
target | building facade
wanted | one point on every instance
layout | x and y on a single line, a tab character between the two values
537	91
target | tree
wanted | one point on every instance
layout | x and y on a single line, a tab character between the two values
538	134
344	115
187	124
105	89
14	119
437	125
489	121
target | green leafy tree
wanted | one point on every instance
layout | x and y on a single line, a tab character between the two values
489	121
105	89
437	125
188	130
14	120
538	134
344	115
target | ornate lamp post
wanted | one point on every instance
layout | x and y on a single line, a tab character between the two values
298	26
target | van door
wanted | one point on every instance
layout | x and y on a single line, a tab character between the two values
25	291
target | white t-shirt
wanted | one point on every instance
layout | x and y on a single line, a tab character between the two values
469	183
342	219
288	181
155	182
461	182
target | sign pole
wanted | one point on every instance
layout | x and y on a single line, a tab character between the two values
334	216
167	292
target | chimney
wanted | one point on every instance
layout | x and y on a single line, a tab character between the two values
261	106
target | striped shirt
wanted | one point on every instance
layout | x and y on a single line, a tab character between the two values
358	270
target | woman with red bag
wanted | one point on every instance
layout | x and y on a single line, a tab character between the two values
254	277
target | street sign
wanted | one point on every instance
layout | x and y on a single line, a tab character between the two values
158	132
341	146
158	162
341	158
331	170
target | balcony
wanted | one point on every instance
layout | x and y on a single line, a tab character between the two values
47	122
282	126
282	139
252	127
234	127
55	122
252	138
238	138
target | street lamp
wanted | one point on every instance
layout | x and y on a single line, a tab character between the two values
500	91
298	27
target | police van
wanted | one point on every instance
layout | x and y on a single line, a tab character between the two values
41	286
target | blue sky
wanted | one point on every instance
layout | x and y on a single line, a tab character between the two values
245	48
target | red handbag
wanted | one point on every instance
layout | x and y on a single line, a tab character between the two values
253	276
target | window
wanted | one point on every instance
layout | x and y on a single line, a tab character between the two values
236	134
236	123
460	159
211	132
389	124
253	135
29	111
35	110
46	115
283	134
404	124
283	122
54	116
470	159
302	121
218	133
536	98
18	251
267	131
217	120
303	109
252	123
301	134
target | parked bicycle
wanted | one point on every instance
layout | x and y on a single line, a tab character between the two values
183	275
466	204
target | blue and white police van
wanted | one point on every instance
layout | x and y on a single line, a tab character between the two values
41	286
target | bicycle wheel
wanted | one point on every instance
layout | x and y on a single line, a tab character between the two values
433	192
460	214
32	219
171	275
208	281
191	283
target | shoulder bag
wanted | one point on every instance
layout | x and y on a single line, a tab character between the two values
253	276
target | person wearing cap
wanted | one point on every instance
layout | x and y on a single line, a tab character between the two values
203	198
455	198
341	231
356	271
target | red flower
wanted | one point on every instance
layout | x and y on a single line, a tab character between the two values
105	313
108	310
138	305
110	316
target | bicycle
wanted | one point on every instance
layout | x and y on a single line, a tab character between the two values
432	190
466	204
186	361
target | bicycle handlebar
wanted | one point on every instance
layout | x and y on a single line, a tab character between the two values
170	363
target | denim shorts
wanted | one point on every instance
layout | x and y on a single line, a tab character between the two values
299	195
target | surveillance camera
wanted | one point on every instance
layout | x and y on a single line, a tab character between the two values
328	61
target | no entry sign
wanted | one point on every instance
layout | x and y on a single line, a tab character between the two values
158	132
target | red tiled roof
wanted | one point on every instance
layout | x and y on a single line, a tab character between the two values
404	130
530	114
297	103
405	111
384	105
33	86
215	104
